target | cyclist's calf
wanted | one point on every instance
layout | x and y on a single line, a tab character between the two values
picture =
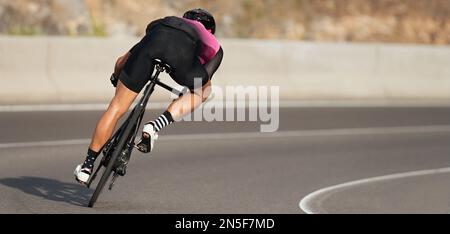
116	110
190	101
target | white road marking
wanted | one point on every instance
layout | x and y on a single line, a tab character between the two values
282	104
44	143
256	135
308	203
68	107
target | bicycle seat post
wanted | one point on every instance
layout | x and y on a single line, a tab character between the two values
160	67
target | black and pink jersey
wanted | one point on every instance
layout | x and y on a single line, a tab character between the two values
210	44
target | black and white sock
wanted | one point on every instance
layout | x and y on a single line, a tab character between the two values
162	121
90	159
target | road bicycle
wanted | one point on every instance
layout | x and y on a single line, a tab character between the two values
117	151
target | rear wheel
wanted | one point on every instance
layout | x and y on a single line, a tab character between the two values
107	150
123	141
117	145
100	186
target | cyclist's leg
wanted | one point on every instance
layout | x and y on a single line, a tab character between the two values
178	108
132	79
119	105
189	102
196	79
135	75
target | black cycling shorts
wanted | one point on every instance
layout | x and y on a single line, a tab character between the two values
172	46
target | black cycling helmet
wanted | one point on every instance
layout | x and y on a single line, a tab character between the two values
203	17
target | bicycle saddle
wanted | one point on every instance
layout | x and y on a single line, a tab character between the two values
162	65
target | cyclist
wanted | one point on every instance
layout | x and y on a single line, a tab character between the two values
189	46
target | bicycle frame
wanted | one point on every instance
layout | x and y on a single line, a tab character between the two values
125	136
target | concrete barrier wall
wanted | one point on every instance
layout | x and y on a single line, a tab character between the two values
77	70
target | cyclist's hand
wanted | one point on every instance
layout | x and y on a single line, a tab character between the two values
114	80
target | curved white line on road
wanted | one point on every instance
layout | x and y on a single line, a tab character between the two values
258	135
306	204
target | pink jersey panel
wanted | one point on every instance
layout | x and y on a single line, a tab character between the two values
210	44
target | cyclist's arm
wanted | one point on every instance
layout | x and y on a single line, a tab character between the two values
212	66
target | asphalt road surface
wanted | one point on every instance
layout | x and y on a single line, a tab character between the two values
322	160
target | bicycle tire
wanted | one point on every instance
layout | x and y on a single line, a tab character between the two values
109	168
111	147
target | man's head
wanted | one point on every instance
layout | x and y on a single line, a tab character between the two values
203	17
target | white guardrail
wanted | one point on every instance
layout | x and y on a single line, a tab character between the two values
76	70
